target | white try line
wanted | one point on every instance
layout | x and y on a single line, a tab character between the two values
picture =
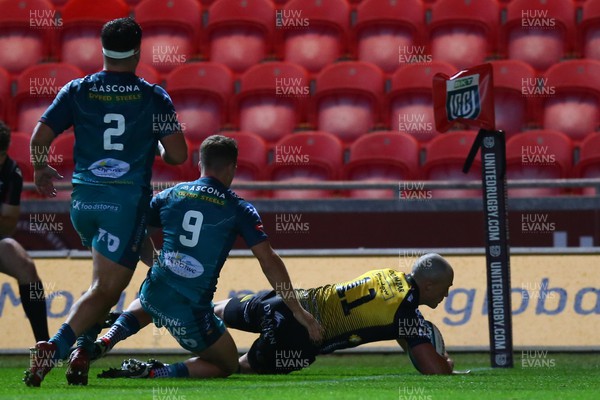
312	382
483	369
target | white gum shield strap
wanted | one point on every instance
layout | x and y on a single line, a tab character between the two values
119	55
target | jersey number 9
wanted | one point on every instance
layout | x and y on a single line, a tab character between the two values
192	223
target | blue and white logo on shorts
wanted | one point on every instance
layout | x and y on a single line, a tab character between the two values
112	242
182	264
109	168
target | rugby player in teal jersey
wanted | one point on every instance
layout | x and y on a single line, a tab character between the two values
200	222
113	113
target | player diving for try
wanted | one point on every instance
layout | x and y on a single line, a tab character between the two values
378	305
200	221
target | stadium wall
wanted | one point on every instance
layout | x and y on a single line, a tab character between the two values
555	298
352	224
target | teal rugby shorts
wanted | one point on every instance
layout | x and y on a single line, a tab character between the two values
111	219
194	326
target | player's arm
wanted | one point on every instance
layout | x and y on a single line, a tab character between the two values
274	269
153	227
43	174
173	148
403	344
429	361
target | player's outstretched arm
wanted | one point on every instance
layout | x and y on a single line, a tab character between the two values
173	149
275	271
429	361
43	173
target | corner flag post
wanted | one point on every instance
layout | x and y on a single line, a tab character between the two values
493	167
468	97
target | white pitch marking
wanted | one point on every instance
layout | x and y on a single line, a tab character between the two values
355	378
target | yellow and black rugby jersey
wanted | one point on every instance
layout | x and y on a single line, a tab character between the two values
378	305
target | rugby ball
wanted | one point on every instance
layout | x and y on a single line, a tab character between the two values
436	339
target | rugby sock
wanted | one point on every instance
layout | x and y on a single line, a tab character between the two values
33	301
125	326
63	340
177	370
86	340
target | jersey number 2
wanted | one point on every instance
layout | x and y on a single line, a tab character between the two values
110	132
192	223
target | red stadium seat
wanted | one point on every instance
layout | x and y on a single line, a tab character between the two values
463	32
446	155
26	32
164	172
589	30
5	88
148	72
409	103
382	156
589	160
347	99
574	104
513	80
538	154
200	92
171	32
271	100
539	32
36	88
390	33
79	40
252	161
19	152
306	157
239	32
320	35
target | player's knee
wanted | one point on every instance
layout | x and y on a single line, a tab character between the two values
230	368
8	248
29	270
228	365
15	262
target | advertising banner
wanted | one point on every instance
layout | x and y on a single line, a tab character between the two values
555	298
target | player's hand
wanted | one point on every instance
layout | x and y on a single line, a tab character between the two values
314	328
43	180
449	361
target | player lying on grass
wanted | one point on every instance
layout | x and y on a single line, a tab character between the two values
378	305
200	221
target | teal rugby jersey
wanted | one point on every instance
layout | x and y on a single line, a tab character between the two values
200	221
118	119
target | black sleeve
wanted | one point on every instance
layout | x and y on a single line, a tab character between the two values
410	322
15	186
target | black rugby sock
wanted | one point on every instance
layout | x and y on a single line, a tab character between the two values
34	305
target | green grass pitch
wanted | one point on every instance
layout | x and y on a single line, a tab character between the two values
364	376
